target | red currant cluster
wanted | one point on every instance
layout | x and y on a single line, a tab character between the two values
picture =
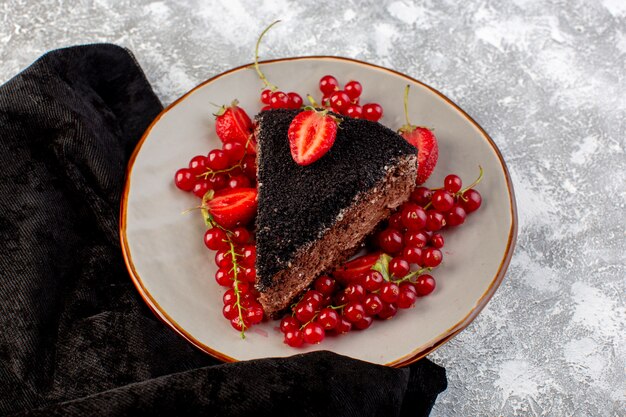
378	285
280	100
346	101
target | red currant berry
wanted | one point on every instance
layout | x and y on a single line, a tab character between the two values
344	326
313	333
289	323
431	257
295	101
217	181
304	312
266	108
239	181
421	196
294	338
240	235
249	166
395	221
248	274
413	217
354	110
434	220
354	292
471	200
215	239
265	96
201	187
372	281
389	292
326	101
353	89
243	288
413	255
184	179
339	101
197	165
388	311
229	297
279	100
406	299
224	278
425	284
234	151
340	298
372	304
328	318
399	267
229	311
407	286
328	84
315	298
437	240
416	239
456	216
442	200
373	112
217	160
254	314
452	183
248	255
325	284
364	323
238	324
390	241
354	311
223	259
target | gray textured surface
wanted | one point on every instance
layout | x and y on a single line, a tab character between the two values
547	80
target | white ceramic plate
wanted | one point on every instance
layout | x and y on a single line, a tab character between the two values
173	270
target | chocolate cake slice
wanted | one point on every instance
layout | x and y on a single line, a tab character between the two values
311	218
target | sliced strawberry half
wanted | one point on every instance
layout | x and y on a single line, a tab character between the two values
311	134
232	207
425	142
356	268
232	124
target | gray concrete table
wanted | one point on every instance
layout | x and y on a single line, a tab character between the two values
547	80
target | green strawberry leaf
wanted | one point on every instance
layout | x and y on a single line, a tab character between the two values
382	266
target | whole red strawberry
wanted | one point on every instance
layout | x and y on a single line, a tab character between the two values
232	207
311	134
425	142
232	124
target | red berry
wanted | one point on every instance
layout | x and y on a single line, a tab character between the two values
416	239
248	274
328	84
234	151
395	221
443	200
431	257
389	292
295	101
406	299
413	255
421	195
254	314
248	255
217	181
311	134
201	187
354	110
427	151
471	200
344	326
229	311
354	292
407	286
356	268
372	304
239	181
339	101
413	217
313	333
217	160
294	338
340	298
456	216
354	311
452	183
325	284
372	111
265	96
437	240
279	100
434	220
326	100
328	318
304	312
425	284
197	165
372	281
315	298
353	89
238	324
229	297
390	241
223	259
224	278
399	267
364	323
266	108
215	239
388	311
240	235
249	166
289	323
233	207
232	124
184	179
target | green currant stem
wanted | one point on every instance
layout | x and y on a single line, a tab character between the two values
475	183
312	101
413	274
256	59
430	203
213	173
240	308
406	104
